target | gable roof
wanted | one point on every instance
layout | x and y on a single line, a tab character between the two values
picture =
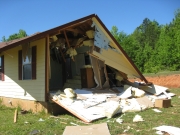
10	44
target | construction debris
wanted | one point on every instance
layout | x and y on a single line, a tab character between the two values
96	129
74	124
91	104
40	119
162	103
156	110
119	120
168	129
127	129
137	118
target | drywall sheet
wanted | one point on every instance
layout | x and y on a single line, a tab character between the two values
169	129
96	129
145	101
90	108
79	109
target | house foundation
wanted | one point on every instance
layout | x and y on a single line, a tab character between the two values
33	106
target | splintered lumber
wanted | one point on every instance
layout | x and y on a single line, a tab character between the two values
15	116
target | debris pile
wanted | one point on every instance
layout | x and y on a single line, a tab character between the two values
91	104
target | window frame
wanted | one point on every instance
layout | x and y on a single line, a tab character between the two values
24	63
2	67
33	64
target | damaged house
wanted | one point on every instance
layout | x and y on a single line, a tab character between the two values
79	55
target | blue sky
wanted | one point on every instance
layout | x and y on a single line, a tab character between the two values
41	15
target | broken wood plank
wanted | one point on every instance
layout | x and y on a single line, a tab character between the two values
15	116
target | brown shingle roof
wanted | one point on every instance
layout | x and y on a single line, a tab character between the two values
8	43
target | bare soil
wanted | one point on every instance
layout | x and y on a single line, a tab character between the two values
170	81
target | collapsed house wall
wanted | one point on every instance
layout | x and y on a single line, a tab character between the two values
90	40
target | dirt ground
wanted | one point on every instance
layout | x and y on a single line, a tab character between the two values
170	81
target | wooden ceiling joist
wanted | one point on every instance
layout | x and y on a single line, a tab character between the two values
75	30
66	39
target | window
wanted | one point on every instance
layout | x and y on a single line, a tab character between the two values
2	68
27	65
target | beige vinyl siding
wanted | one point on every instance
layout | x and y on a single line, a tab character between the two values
116	61
24	89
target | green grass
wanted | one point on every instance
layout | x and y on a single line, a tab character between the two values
163	73
55	126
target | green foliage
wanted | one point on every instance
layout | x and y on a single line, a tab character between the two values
151	46
20	34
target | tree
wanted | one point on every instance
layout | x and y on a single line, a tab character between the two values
20	34
151	46
3	39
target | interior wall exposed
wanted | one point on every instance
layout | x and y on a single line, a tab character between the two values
56	81
80	60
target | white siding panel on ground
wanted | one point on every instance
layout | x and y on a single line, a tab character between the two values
24	89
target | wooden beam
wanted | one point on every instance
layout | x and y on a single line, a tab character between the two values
75	30
47	68
62	54
66	39
54	33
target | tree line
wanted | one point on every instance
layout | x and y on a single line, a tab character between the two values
20	34
153	47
